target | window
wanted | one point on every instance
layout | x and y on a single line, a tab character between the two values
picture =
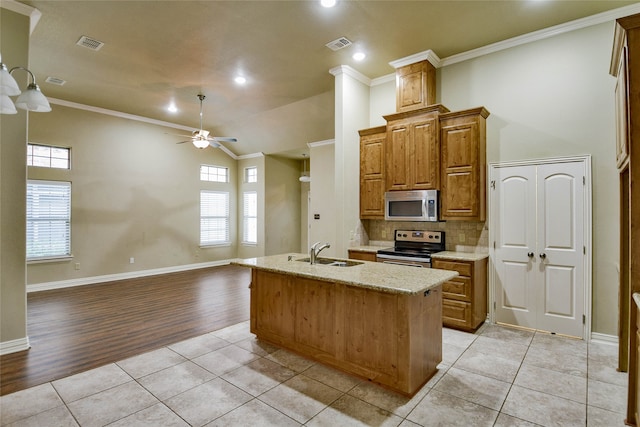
250	217
214	173
48	219
214	218
45	156
251	174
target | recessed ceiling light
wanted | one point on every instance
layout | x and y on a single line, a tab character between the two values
240	80
172	108
359	56
328	3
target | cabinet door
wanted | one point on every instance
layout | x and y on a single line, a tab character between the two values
415	86
315	324
463	195
397	156
622	114
273	302
372	179
425	158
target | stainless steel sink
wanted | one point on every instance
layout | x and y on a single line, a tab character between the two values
332	262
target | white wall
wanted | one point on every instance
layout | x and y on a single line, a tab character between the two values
322	196
550	98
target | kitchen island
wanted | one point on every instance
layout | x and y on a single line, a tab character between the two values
379	321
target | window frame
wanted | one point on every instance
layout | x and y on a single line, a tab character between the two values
246	218
212	171
226	217
31	219
251	172
30	156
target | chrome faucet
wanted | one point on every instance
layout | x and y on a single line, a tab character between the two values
314	251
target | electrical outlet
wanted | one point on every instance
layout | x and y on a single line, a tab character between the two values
132	260
77	266
384	233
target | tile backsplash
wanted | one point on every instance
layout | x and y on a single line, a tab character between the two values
460	236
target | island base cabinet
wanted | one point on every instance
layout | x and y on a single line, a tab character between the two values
394	340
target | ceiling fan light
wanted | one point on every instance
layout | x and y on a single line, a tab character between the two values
6	105
33	100
201	143
8	85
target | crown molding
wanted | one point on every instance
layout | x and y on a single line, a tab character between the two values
345	69
250	156
428	55
384	79
321	143
545	33
133	117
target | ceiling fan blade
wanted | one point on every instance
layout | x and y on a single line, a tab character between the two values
224	139
213	143
182	142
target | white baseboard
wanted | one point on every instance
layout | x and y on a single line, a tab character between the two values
604	338
45	286
14	346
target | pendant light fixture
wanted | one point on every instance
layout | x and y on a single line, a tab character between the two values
31	99
304	177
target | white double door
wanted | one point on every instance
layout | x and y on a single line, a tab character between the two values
538	218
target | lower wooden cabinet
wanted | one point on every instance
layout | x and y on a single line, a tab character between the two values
362	255
464	298
391	339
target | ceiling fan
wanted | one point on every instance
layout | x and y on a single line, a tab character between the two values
201	139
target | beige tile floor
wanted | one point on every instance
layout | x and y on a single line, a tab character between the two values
495	377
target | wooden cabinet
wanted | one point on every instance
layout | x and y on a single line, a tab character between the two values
412	149
372	180
625	67
464	298
463	165
391	339
362	255
415	86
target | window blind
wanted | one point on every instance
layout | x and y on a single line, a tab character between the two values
214	217
48	219
250	217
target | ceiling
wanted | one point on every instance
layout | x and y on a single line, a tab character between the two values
157	52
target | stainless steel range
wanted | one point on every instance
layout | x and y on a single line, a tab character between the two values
413	248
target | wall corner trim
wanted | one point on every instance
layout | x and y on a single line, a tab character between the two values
14	346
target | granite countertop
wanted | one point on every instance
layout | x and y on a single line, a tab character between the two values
395	279
463	256
636	298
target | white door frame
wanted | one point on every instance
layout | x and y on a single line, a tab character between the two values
588	222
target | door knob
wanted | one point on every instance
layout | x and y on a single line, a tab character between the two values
530	254
543	255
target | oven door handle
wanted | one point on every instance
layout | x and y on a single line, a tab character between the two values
403	263
403	258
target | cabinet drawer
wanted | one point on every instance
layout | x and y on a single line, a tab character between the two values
463	268
458	288
456	313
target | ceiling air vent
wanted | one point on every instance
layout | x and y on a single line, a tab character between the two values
338	44
90	43
55	81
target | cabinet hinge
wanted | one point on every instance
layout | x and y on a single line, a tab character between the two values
584	319
584	250
493	184
584	180
494	306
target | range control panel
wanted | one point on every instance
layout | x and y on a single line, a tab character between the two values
418	236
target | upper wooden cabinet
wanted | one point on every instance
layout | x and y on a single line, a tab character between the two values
412	149
618	69
463	160
372	181
415	86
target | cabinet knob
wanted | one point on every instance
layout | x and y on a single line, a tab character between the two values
530	254
543	255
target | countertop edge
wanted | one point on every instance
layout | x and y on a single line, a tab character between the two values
446	275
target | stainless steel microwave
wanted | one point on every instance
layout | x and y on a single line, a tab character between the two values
416	205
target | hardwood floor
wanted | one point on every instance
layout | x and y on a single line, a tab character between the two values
75	329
